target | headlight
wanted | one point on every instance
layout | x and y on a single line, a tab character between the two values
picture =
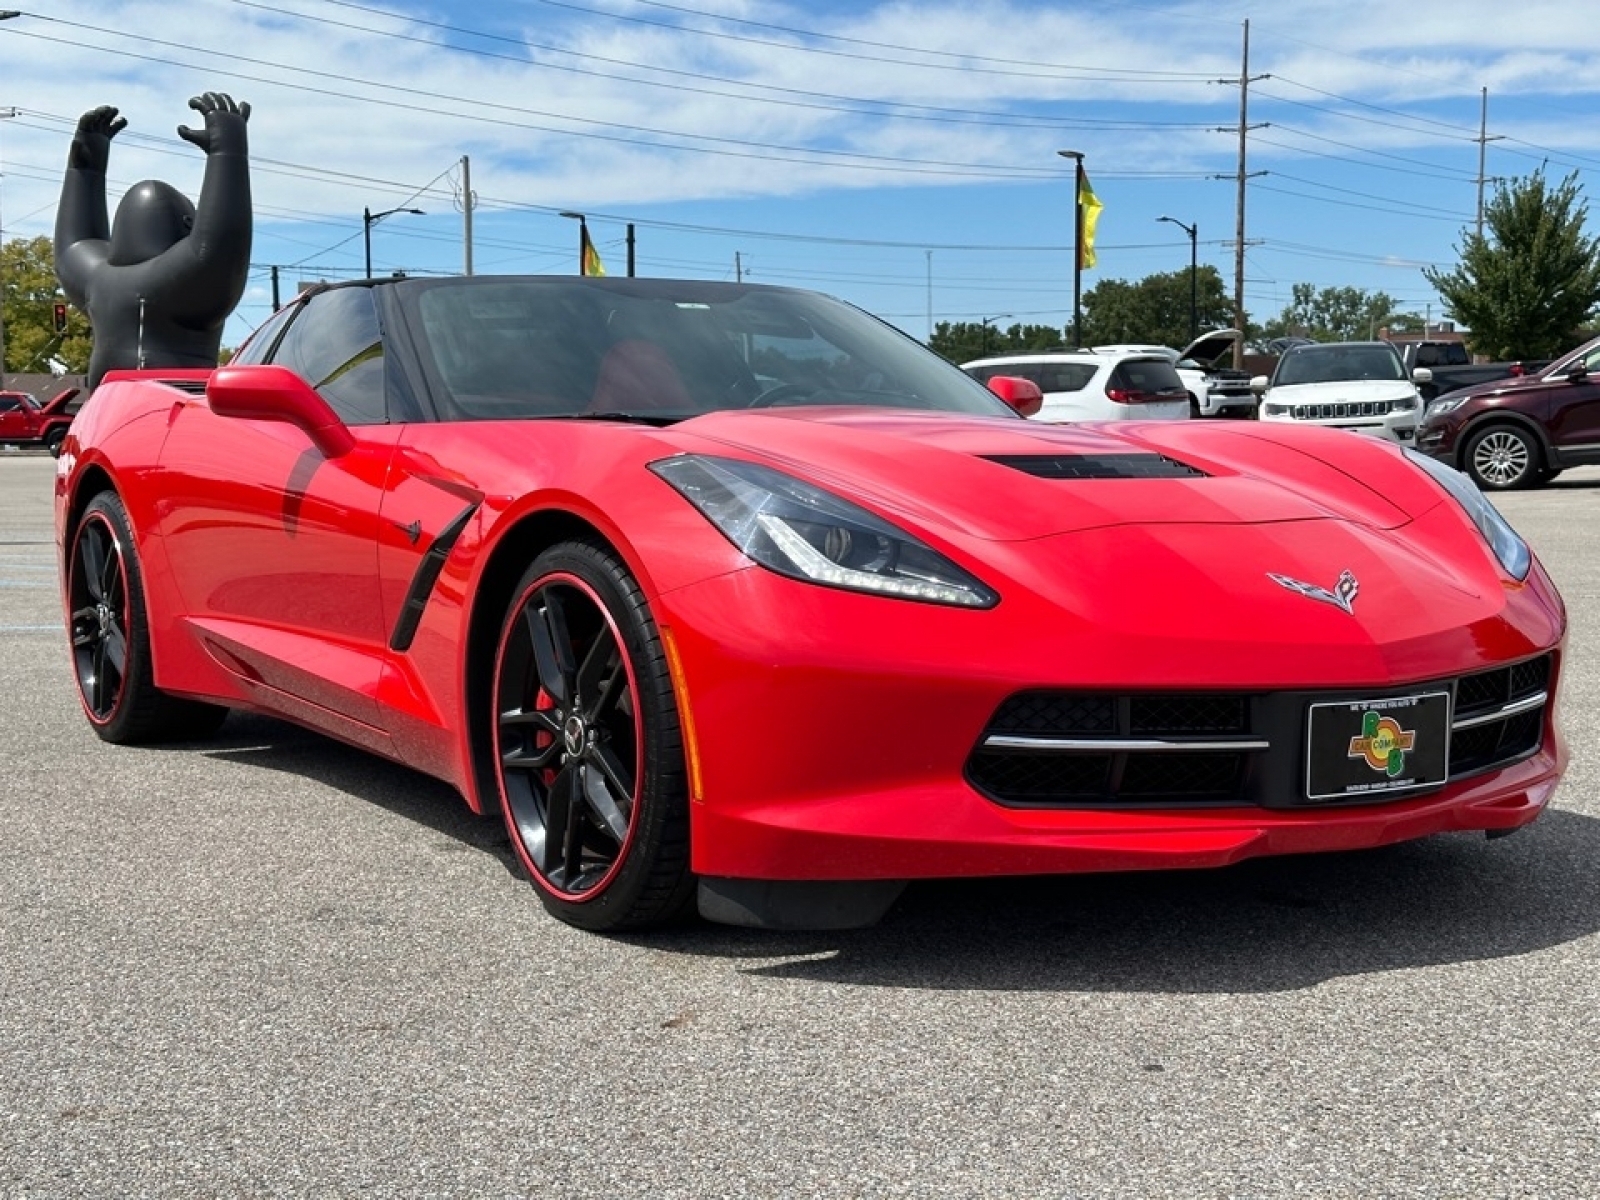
806	533
1404	403
1439	407
1274	410
1506	543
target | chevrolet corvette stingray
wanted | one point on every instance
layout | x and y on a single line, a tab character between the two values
734	595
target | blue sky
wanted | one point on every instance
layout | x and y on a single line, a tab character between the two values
902	156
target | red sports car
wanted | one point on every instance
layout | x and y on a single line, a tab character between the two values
736	594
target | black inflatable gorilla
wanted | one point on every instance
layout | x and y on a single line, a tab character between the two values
158	285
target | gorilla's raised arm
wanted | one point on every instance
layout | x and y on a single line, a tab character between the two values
83	230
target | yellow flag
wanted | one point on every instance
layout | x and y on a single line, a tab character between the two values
1091	206
591	257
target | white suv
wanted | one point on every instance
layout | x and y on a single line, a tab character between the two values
1087	385
1215	390
1360	386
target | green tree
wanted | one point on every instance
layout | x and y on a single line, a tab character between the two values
963	341
1526	286
29	294
1155	310
1335	314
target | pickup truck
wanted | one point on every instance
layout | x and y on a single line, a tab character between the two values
1453	367
26	422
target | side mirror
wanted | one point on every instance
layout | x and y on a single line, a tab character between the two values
1021	395
271	393
1258	384
1577	372
1422	375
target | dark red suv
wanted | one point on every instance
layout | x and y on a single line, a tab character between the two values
1523	431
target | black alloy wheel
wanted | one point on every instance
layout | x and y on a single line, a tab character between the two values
110	637
589	749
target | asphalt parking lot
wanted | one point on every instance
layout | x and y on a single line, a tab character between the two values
271	965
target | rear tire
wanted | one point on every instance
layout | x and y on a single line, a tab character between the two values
588	748
1501	458
110	634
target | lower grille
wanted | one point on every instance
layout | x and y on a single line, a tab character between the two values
1058	749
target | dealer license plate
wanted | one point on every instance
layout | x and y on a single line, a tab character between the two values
1362	748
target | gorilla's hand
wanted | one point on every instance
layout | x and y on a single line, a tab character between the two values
91	144
225	124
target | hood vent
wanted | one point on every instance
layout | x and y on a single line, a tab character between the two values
1097	466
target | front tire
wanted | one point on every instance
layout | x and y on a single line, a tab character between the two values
53	440
1503	457
588	747
110	632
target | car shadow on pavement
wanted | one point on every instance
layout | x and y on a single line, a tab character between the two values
1267	925
281	746
1270	924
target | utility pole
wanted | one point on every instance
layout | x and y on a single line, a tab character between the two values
1483	144
738	268
5	113
1245	80
466	209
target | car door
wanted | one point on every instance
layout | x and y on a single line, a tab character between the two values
274	546
1574	420
13	419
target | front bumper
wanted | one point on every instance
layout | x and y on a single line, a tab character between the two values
1398	426
840	750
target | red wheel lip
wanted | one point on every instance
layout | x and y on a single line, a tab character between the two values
542	881
122	573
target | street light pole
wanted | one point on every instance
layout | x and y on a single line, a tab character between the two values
988	323
1194	302
369	219
1077	243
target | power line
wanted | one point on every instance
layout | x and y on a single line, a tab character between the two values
837	159
750	91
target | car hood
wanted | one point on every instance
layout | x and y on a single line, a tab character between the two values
1341	390
58	403
1507	386
1208	348
1000	479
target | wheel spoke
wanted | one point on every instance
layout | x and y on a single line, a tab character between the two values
543	720
603	795
110	574
559	820
91	561
598	678
116	646
530	757
552	646
97	684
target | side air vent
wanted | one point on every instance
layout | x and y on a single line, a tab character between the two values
195	387
1097	466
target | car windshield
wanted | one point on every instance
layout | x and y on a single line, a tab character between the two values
515	347
1338	364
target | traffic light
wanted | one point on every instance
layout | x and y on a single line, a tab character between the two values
61	317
